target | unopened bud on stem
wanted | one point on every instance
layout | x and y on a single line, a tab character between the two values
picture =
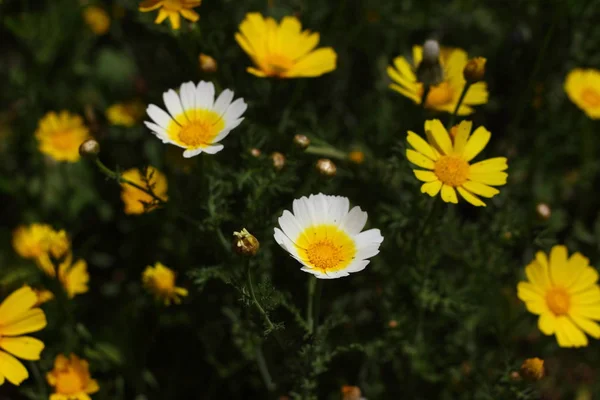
244	243
89	149
474	71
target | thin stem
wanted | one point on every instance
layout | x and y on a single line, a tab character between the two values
270	325
119	178
426	89
460	100
317	303
264	370
312	282
326	152
39	381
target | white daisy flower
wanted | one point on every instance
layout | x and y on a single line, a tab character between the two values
327	239
197	122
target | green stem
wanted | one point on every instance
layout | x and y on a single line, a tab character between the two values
264	370
39	381
426	89
460	100
326	152
270	325
312	282
317	303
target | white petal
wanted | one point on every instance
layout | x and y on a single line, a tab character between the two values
221	135
235	110
338	208
233	124
285	243
354	221
223	101
187	93
290	226
213	149
161	134
192	152
301	213
367	251
366	238
326	275
173	103
159	116
357	265
318	208
205	95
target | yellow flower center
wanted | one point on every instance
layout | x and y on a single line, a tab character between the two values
173	5
325	247
204	126
438	95
164	281
590	97
452	170
558	301
278	64
68	382
63	140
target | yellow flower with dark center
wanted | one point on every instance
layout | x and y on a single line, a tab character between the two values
446	159
563	291
172	9
583	88
196	121
41	243
19	316
160	281
136	201
444	96
284	50
71	379
125	114
97	19
325	236
73	276
59	135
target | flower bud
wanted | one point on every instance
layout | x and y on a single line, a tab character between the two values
278	160
393	323
429	71
244	243
326	167
301	141
89	149
207	63
431	51
351	393
255	152
474	70
356	156
532	369
543	211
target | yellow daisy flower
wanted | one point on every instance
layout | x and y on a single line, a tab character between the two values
136	201
444	96
326	238
284	50
74	277
125	114
447	157
19	316
197	122
40	242
172	9
96	19
71	379
563	291
583	88
160	281
59	135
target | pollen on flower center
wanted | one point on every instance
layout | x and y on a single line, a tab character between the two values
558	301
591	97
69	382
452	170
326	247
278	64
438	95
324	254
199	133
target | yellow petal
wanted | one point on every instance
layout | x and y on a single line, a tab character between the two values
420	145
190	15
587	278
405	92
440	135
175	20
558	265
401	80
496	164
480	189
538	275
425	176
476	143
587	325
577	264
568	335
589	296
587	311
547	323
12	369
462	135
149	5
405	69
31	321
489	178
470	197
24	347
16	305
256	72
317	63
162	15
529	292
431	188
449	194
419	159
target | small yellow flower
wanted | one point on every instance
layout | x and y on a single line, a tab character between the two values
563	291
136	201
125	114
160	281
207	63
59	135
284	50
474	71
19	316
446	159
444	96
41	243
583	88
356	156
71	379
172	9
532	369
97	19
73	276
43	296
351	393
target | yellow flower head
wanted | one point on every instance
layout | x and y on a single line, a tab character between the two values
444	96
532	369
172	9
207	63
71	379
563	291
136	201
73	276
284	50
125	114
97	19
160	281
446	159
583	88
59	135
40	242
19	316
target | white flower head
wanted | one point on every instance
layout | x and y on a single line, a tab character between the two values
197	122
326	238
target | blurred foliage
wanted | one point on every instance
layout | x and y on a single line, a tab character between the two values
435	314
